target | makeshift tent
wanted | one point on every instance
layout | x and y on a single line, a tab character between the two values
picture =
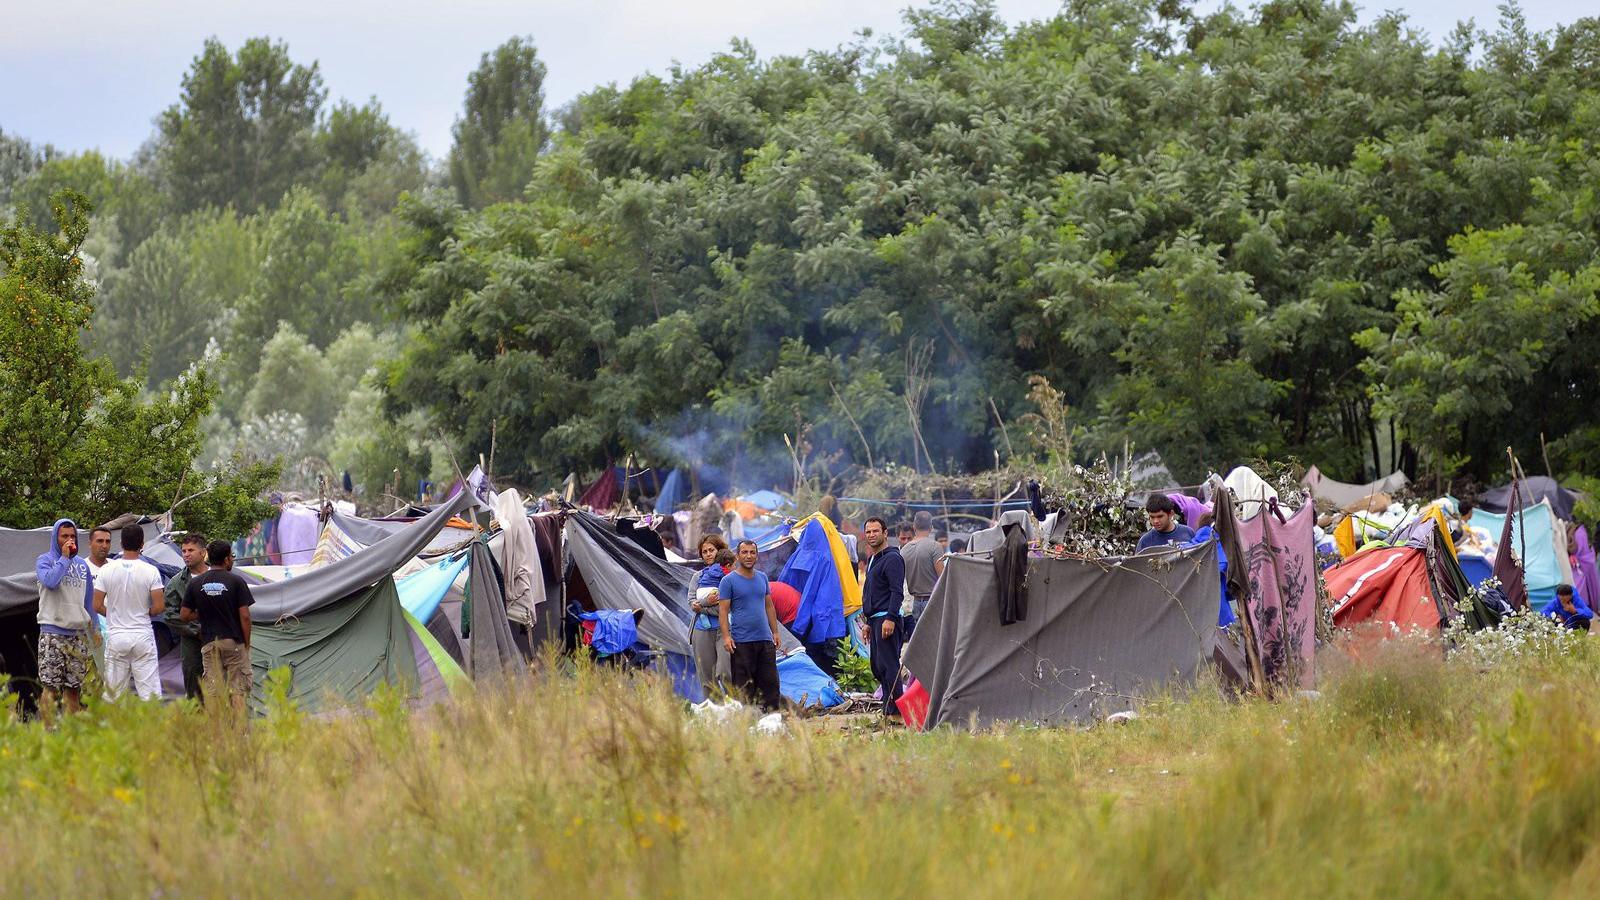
340	630
1340	495
340	652
620	574
1414	586
1384	585
814	571
1535	543
674	493
606	491
1097	634
1537	489
321	586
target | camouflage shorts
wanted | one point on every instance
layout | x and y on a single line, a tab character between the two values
63	661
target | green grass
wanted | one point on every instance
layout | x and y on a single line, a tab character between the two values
1410	777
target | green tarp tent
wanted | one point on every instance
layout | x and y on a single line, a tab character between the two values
340	653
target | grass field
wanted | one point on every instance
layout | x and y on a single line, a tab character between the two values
1409	777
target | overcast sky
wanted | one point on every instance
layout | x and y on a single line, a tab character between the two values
94	73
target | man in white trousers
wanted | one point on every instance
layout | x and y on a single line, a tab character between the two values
128	592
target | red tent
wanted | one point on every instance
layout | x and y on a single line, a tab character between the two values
1387	585
785	601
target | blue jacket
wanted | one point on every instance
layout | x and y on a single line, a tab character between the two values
1579	618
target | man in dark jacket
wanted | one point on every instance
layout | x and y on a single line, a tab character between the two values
881	596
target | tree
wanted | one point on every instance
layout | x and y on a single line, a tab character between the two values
75	440
502	128
367	162
294	378
175	293
19	158
309	262
242	133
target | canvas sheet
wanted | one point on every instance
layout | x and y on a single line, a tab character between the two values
1541	570
1098	634
492	653
622	575
338	653
1342	494
1281	561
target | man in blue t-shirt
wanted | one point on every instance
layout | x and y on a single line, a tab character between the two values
750	628
1164	526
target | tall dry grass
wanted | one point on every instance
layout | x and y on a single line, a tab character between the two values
1410	777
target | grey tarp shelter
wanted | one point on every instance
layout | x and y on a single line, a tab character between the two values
1098	633
340	630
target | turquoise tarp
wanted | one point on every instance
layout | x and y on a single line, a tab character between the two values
1540	568
421	592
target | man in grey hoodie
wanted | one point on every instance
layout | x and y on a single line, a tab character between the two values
65	605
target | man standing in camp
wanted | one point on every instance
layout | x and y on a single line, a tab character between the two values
65	605
880	605
99	550
220	601
750	628
127	592
924	562
188	633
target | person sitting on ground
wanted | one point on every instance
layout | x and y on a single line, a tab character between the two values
1569	609
750	628
1164	525
128	592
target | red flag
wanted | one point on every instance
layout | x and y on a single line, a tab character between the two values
1507	568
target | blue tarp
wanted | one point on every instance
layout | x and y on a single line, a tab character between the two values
1476	568
768	538
800	681
421	592
614	630
685	683
811	571
674	493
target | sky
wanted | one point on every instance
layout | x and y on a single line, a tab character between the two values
93	74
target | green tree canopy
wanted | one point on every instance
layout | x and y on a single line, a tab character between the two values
75	440
242	133
1180	220
502	128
